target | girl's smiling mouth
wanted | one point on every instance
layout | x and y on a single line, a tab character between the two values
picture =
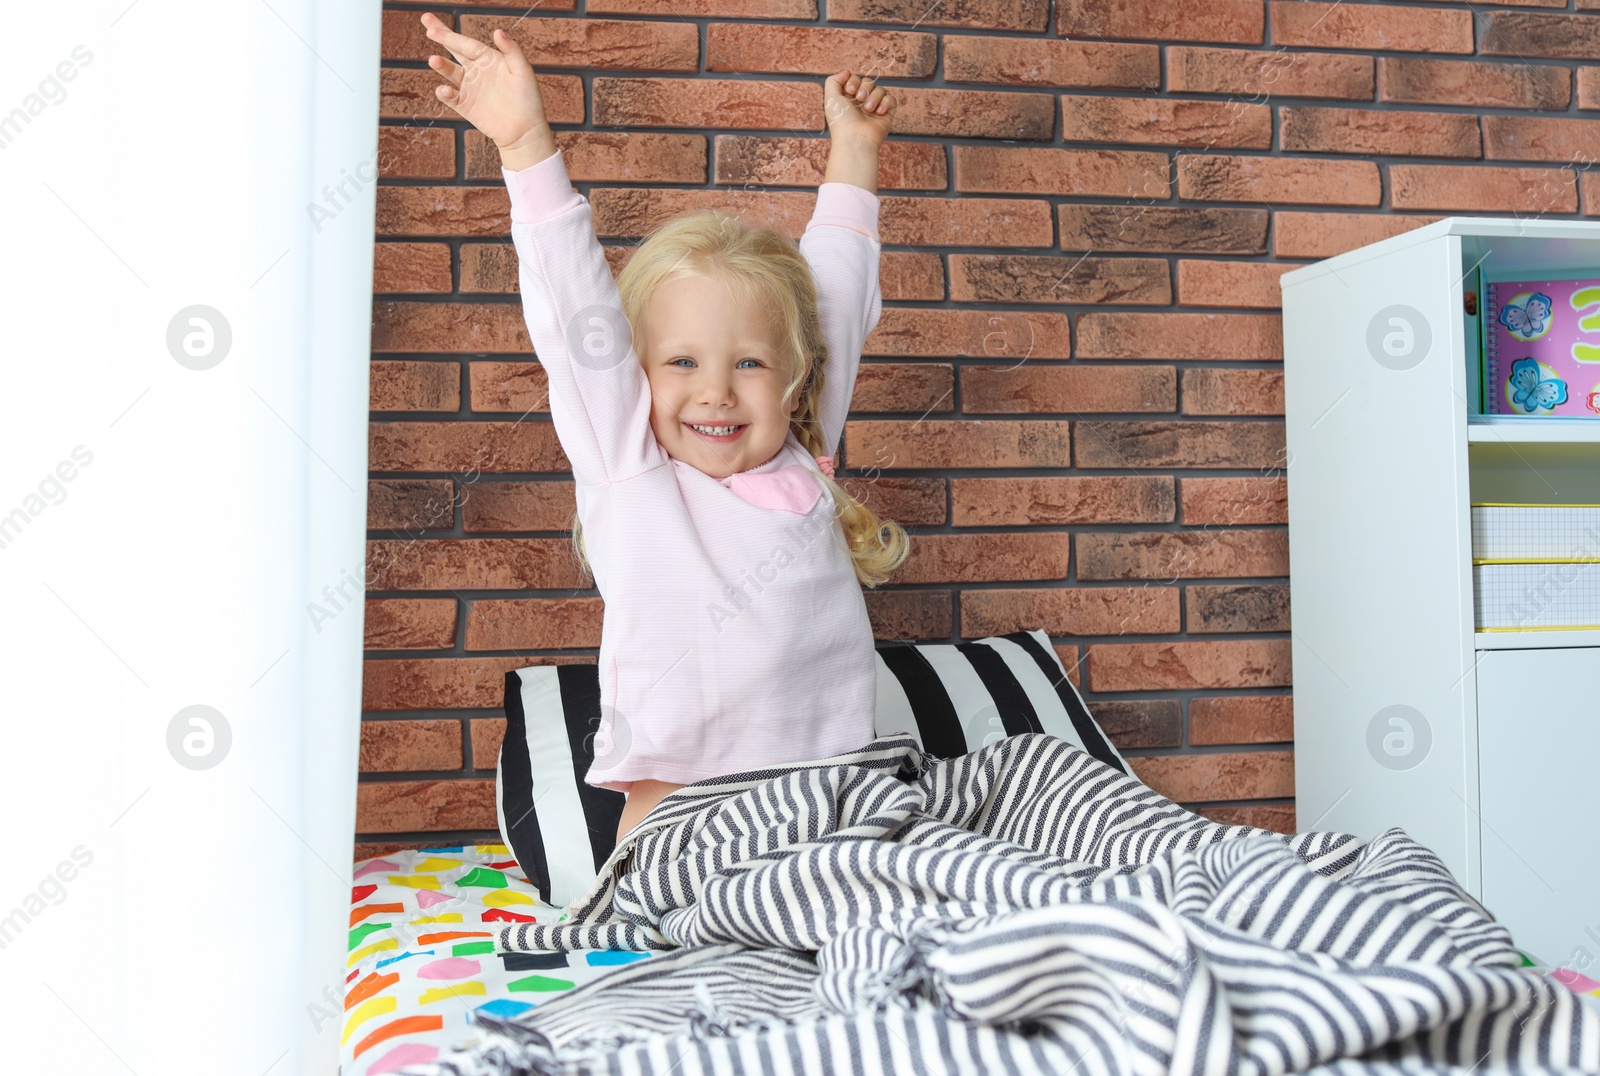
736	431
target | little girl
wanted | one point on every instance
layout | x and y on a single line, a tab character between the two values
700	397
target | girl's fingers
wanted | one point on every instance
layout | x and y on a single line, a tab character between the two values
513	53
446	70
465	49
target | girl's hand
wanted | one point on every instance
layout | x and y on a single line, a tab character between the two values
857	108
492	88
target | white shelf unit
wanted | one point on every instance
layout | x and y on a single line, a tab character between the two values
1493	762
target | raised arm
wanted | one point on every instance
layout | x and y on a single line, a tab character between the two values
841	242
599	395
841	245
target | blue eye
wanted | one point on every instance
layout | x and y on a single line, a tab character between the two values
686	359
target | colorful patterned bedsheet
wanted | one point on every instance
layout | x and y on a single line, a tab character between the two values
422	959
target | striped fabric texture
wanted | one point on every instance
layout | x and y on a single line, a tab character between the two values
951	698
1022	908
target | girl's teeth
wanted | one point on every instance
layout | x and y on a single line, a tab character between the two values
715	431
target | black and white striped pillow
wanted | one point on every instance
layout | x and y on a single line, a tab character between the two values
952	697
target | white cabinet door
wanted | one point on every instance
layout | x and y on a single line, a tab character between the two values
1539	741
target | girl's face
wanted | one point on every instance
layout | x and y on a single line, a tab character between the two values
713	362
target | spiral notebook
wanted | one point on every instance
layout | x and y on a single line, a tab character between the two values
1541	348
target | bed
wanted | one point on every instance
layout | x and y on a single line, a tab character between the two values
986	886
427	991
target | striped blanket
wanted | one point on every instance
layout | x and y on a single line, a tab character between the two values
1024	909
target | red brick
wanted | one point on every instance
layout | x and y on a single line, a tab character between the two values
1072	388
1423	81
911	502
1179	665
1232	391
906	276
410	503
1068	611
911	615
1025	278
817	50
1230	501
607	157
1271	72
410	624
489	267
534	624
967	222
413	153
471	563
1588	86
984	558
1003	502
996	334
448	327
1305	129
1322	235
759	161
1219	283
588	42
444	683
1469	189
1229	21
410	267
1225	178
419	806
517	387
1375	27
1170	555
964	14
517	506
1537	138
1165	121
894	445
415	386
1179	444
465	446
1236	608
488	734
1133	724
682	9
1279	818
1078	172
1232	776
443	211
1241	719
1591	194
1524	33
1052	63
404	38
414	746
1187	229
1180	336
707	102
919	388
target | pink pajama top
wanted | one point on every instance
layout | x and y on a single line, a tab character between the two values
735	633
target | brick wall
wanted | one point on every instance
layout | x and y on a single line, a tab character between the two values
1074	399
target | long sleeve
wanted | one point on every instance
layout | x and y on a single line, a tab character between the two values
842	247
599	394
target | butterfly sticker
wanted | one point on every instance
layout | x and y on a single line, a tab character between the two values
1530	393
1528	320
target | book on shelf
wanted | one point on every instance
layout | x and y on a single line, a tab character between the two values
1540	346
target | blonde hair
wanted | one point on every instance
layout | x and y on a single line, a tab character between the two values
767	268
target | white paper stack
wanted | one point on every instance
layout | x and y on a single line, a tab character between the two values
1536	566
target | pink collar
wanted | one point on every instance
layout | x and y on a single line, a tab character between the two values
793	488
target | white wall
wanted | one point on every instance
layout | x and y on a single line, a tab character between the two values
204	915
